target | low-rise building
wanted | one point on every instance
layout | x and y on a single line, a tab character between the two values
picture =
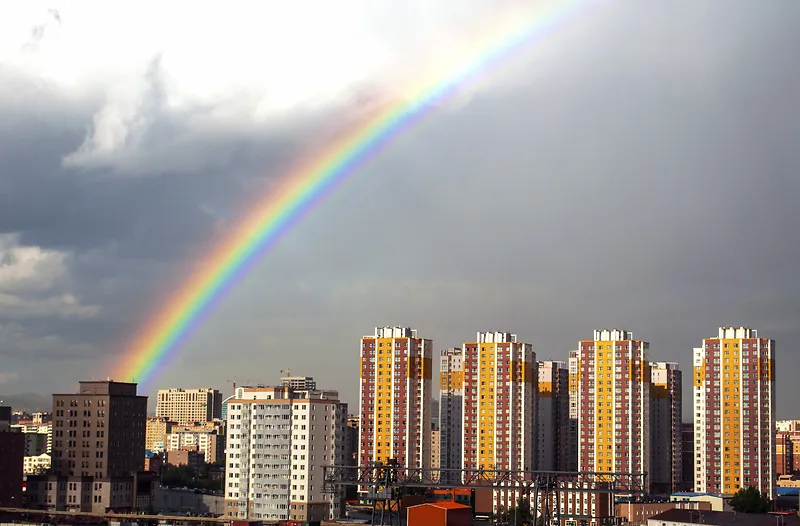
637	513
718	503
191	457
36	465
208	438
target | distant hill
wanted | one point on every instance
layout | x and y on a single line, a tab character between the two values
28	402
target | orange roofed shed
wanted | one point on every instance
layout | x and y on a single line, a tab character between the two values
442	513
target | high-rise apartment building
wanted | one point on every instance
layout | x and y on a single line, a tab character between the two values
279	441
98	451
552	417
395	397
734	412
614	403
666	408
572	440
488	407
451	403
189	406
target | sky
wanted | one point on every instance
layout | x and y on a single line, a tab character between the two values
635	167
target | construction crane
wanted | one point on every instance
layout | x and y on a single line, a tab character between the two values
287	372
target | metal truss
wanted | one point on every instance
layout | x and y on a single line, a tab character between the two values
380	476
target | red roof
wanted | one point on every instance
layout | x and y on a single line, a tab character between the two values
445	505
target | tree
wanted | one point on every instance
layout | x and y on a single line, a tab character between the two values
518	515
750	500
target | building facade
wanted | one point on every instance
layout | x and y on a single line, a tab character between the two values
451	404
552	417
12	454
36	428
208	439
687	451
572	442
784	454
278	442
36	465
436	448
98	451
614	403
395	397
666	411
734	408
189	406
787	447
156	430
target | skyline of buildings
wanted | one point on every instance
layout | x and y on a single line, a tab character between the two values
608	408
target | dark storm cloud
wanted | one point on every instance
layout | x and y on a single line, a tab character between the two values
640	172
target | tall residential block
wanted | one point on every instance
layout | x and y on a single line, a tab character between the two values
500	382
488	407
734	412
572	440
395	397
189	406
666	409
552	417
278	444
614	403
451	404
98	447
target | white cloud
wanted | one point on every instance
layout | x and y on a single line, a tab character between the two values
28	268
201	70
34	283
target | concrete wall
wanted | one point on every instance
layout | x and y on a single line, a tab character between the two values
182	501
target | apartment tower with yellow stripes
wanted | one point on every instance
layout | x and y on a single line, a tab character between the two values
492	382
734	416
613	403
395	398
666	410
552	417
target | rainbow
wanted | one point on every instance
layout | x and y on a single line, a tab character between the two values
315	177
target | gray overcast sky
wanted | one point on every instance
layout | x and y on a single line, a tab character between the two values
636	168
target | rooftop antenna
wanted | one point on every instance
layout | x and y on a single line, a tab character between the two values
287	371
